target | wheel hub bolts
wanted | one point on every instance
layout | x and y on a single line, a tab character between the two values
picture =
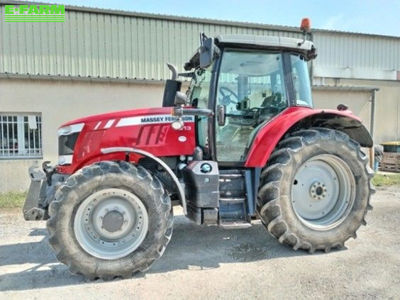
318	191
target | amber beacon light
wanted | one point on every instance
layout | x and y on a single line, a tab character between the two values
305	25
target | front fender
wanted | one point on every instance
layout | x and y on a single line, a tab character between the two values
162	164
297	118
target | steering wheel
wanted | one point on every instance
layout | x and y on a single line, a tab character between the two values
226	96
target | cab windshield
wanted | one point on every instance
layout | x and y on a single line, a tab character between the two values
301	81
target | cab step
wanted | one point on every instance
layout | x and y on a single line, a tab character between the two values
234	224
232	202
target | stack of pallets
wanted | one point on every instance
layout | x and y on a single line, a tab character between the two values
390	162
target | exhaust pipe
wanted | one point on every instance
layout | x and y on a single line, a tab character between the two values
174	71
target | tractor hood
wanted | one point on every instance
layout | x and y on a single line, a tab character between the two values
81	141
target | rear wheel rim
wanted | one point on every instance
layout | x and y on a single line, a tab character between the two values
323	192
111	223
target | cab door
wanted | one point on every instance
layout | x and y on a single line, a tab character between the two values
251	89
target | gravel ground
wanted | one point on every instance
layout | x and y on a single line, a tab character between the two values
211	262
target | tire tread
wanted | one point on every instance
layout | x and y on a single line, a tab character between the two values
98	170
268	207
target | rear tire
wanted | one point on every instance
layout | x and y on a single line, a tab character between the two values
109	220
321	207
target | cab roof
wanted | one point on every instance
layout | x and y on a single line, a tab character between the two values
269	42
279	43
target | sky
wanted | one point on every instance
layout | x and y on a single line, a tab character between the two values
367	16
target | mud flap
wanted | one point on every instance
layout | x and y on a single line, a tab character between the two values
37	189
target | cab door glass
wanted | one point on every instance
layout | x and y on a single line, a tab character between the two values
199	92
251	87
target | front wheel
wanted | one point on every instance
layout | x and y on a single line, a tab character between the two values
315	190
110	219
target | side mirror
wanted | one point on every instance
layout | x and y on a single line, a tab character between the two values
207	51
221	115
180	98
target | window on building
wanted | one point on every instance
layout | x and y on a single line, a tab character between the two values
20	135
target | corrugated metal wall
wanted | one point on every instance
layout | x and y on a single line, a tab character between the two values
106	45
343	55
100	43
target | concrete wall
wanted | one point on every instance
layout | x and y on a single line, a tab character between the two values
61	101
387	114
357	101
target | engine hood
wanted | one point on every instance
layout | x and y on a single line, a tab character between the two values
147	129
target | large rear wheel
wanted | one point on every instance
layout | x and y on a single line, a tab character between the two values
109	220
315	190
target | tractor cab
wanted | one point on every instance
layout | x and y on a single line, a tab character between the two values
239	84
244	82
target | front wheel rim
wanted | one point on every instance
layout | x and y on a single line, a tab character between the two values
111	223
323	192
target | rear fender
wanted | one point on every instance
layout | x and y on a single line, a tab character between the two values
297	118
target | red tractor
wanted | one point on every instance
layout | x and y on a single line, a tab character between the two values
244	142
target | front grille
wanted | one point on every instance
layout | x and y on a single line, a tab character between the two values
66	143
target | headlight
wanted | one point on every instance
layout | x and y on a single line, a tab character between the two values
67	137
66	143
67	130
65	160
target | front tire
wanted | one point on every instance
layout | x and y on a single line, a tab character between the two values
315	190
109	220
